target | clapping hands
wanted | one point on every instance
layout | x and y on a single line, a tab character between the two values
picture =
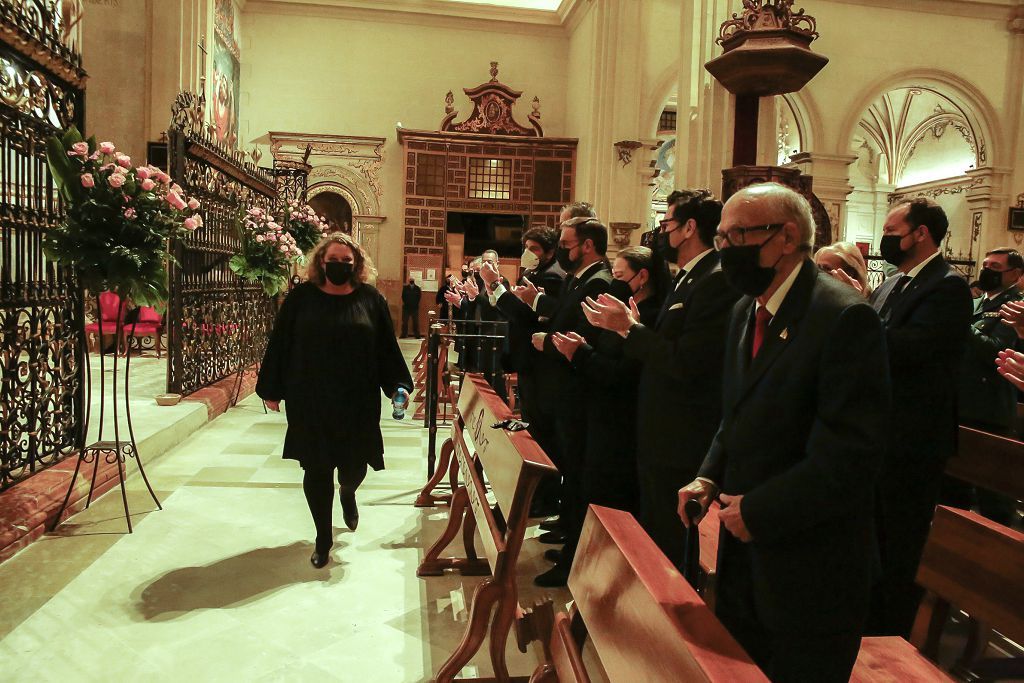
567	343
1012	313
609	313
526	293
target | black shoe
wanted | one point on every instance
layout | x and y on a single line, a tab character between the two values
553	555
349	511
556	577
543	508
552	537
320	558
551	525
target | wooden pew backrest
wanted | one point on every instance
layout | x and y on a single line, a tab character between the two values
990	461
646	622
975	565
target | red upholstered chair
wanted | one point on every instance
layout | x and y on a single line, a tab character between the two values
110	310
148	323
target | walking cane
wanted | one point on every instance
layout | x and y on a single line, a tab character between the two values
691	553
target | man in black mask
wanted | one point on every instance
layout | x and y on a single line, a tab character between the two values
805	397
411	295
986	401
926	308
680	394
560	392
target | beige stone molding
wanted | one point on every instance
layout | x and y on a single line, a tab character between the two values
622	233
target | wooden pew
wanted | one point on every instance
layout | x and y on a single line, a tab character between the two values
969	563
645	621
989	461
513	464
445	464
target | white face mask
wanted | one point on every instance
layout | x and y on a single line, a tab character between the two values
529	260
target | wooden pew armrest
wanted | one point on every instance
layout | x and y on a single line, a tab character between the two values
892	659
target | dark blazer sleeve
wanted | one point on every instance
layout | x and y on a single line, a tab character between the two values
547	305
392	371
516	311
836	475
983	347
605	370
592	288
935	329
271	383
700	349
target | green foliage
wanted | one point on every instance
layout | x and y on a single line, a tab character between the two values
115	232
268	251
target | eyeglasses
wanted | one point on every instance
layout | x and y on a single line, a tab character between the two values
737	237
663	225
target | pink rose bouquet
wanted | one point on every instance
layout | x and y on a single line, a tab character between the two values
268	251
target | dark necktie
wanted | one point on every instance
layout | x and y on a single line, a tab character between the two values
668	302
894	297
762	318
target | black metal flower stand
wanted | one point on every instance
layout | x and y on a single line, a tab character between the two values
119	450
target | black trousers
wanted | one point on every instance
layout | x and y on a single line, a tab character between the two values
659	508
572	438
905	504
318	485
413	315
786	656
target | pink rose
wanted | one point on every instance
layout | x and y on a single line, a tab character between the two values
175	200
148	185
162	177
142	172
177	188
107	147
193	203
79	149
259	238
283	247
199	219
121	169
124	161
191	224
116	180
129	213
88	180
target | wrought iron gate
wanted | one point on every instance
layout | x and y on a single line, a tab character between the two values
217	323
41	317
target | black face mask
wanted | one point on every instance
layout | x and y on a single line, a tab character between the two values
565	260
338	272
990	280
743	269
663	245
891	249
621	289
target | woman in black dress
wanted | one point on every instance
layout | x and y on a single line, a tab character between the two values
333	348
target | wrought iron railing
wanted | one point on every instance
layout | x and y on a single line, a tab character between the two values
879	269
217	323
41	317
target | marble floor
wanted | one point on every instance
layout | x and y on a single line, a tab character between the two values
217	586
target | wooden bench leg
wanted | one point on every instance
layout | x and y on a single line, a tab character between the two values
433	564
505	614
426	499
484	598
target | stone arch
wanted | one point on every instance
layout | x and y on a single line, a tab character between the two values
351	185
969	101
661	90
808	118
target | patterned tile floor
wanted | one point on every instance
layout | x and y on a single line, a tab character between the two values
217	586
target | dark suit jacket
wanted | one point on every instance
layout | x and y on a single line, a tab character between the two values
680	397
612	380
550	276
559	390
800	438
926	334
986	399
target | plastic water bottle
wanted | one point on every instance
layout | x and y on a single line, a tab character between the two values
398	403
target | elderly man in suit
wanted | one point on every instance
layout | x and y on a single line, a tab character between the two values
926	309
680	394
805	397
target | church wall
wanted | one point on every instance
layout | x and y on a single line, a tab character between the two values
114	47
360	73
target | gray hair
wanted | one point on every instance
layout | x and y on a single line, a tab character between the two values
781	205
478	262
489	251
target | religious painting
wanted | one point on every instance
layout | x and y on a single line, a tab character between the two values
225	93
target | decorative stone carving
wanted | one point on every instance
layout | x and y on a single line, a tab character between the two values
625	148
622	232
492	110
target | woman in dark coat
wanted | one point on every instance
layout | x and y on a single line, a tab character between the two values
333	348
